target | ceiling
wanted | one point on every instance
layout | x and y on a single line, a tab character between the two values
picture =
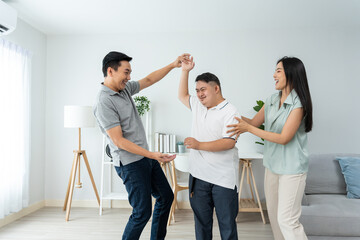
69	17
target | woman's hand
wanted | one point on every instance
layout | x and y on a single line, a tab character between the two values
237	129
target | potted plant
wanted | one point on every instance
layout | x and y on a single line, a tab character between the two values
142	104
257	107
181	147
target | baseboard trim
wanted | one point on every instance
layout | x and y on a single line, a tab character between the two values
23	212
74	203
115	204
106	204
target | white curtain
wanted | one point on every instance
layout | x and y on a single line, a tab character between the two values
15	65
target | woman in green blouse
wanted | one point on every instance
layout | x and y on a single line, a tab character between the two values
287	116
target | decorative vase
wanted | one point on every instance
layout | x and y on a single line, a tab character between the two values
259	148
181	148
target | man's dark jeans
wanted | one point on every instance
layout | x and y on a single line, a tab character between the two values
142	179
204	197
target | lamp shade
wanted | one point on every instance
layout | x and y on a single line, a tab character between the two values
78	117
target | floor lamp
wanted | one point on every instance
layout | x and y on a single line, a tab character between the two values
78	117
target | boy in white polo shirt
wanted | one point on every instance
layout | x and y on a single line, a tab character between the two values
213	181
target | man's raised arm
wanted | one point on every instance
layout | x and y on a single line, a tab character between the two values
159	74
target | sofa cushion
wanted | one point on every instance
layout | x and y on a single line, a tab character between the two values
304	201
350	167
324	175
331	215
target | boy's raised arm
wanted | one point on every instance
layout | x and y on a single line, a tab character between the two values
183	93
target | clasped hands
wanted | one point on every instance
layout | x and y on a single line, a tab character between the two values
184	58
163	157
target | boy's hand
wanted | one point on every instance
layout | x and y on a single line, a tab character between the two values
188	65
192	143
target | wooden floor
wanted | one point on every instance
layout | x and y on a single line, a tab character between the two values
85	223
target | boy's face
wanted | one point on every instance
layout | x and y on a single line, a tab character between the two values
206	92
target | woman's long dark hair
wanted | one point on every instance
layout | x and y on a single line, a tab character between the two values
296	78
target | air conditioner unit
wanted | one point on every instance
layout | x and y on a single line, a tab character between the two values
8	18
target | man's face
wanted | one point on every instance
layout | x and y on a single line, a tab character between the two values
206	92
121	76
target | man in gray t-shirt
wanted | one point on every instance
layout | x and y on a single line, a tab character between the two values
139	168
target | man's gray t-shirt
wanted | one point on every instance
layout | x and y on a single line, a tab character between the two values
118	108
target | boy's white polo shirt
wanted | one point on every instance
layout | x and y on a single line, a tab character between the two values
220	168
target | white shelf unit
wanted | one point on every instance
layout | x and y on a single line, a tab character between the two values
106	188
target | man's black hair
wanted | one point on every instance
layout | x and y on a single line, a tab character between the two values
112	59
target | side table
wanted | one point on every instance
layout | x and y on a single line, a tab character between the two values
249	205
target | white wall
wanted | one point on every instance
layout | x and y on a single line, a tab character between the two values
243	60
35	41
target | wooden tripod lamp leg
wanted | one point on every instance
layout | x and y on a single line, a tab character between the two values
91	176
78	184
68	188
68	206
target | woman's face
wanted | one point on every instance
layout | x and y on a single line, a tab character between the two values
279	77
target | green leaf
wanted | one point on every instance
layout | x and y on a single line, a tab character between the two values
257	108
260	103
142	104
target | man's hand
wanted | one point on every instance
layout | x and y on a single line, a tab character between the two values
180	59
188	65
192	143
161	157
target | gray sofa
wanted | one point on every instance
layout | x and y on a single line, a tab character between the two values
326	212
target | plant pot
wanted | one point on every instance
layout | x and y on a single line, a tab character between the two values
181	148
259	148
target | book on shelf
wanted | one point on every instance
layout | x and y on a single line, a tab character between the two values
165	143
156	142
161	143
172	143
